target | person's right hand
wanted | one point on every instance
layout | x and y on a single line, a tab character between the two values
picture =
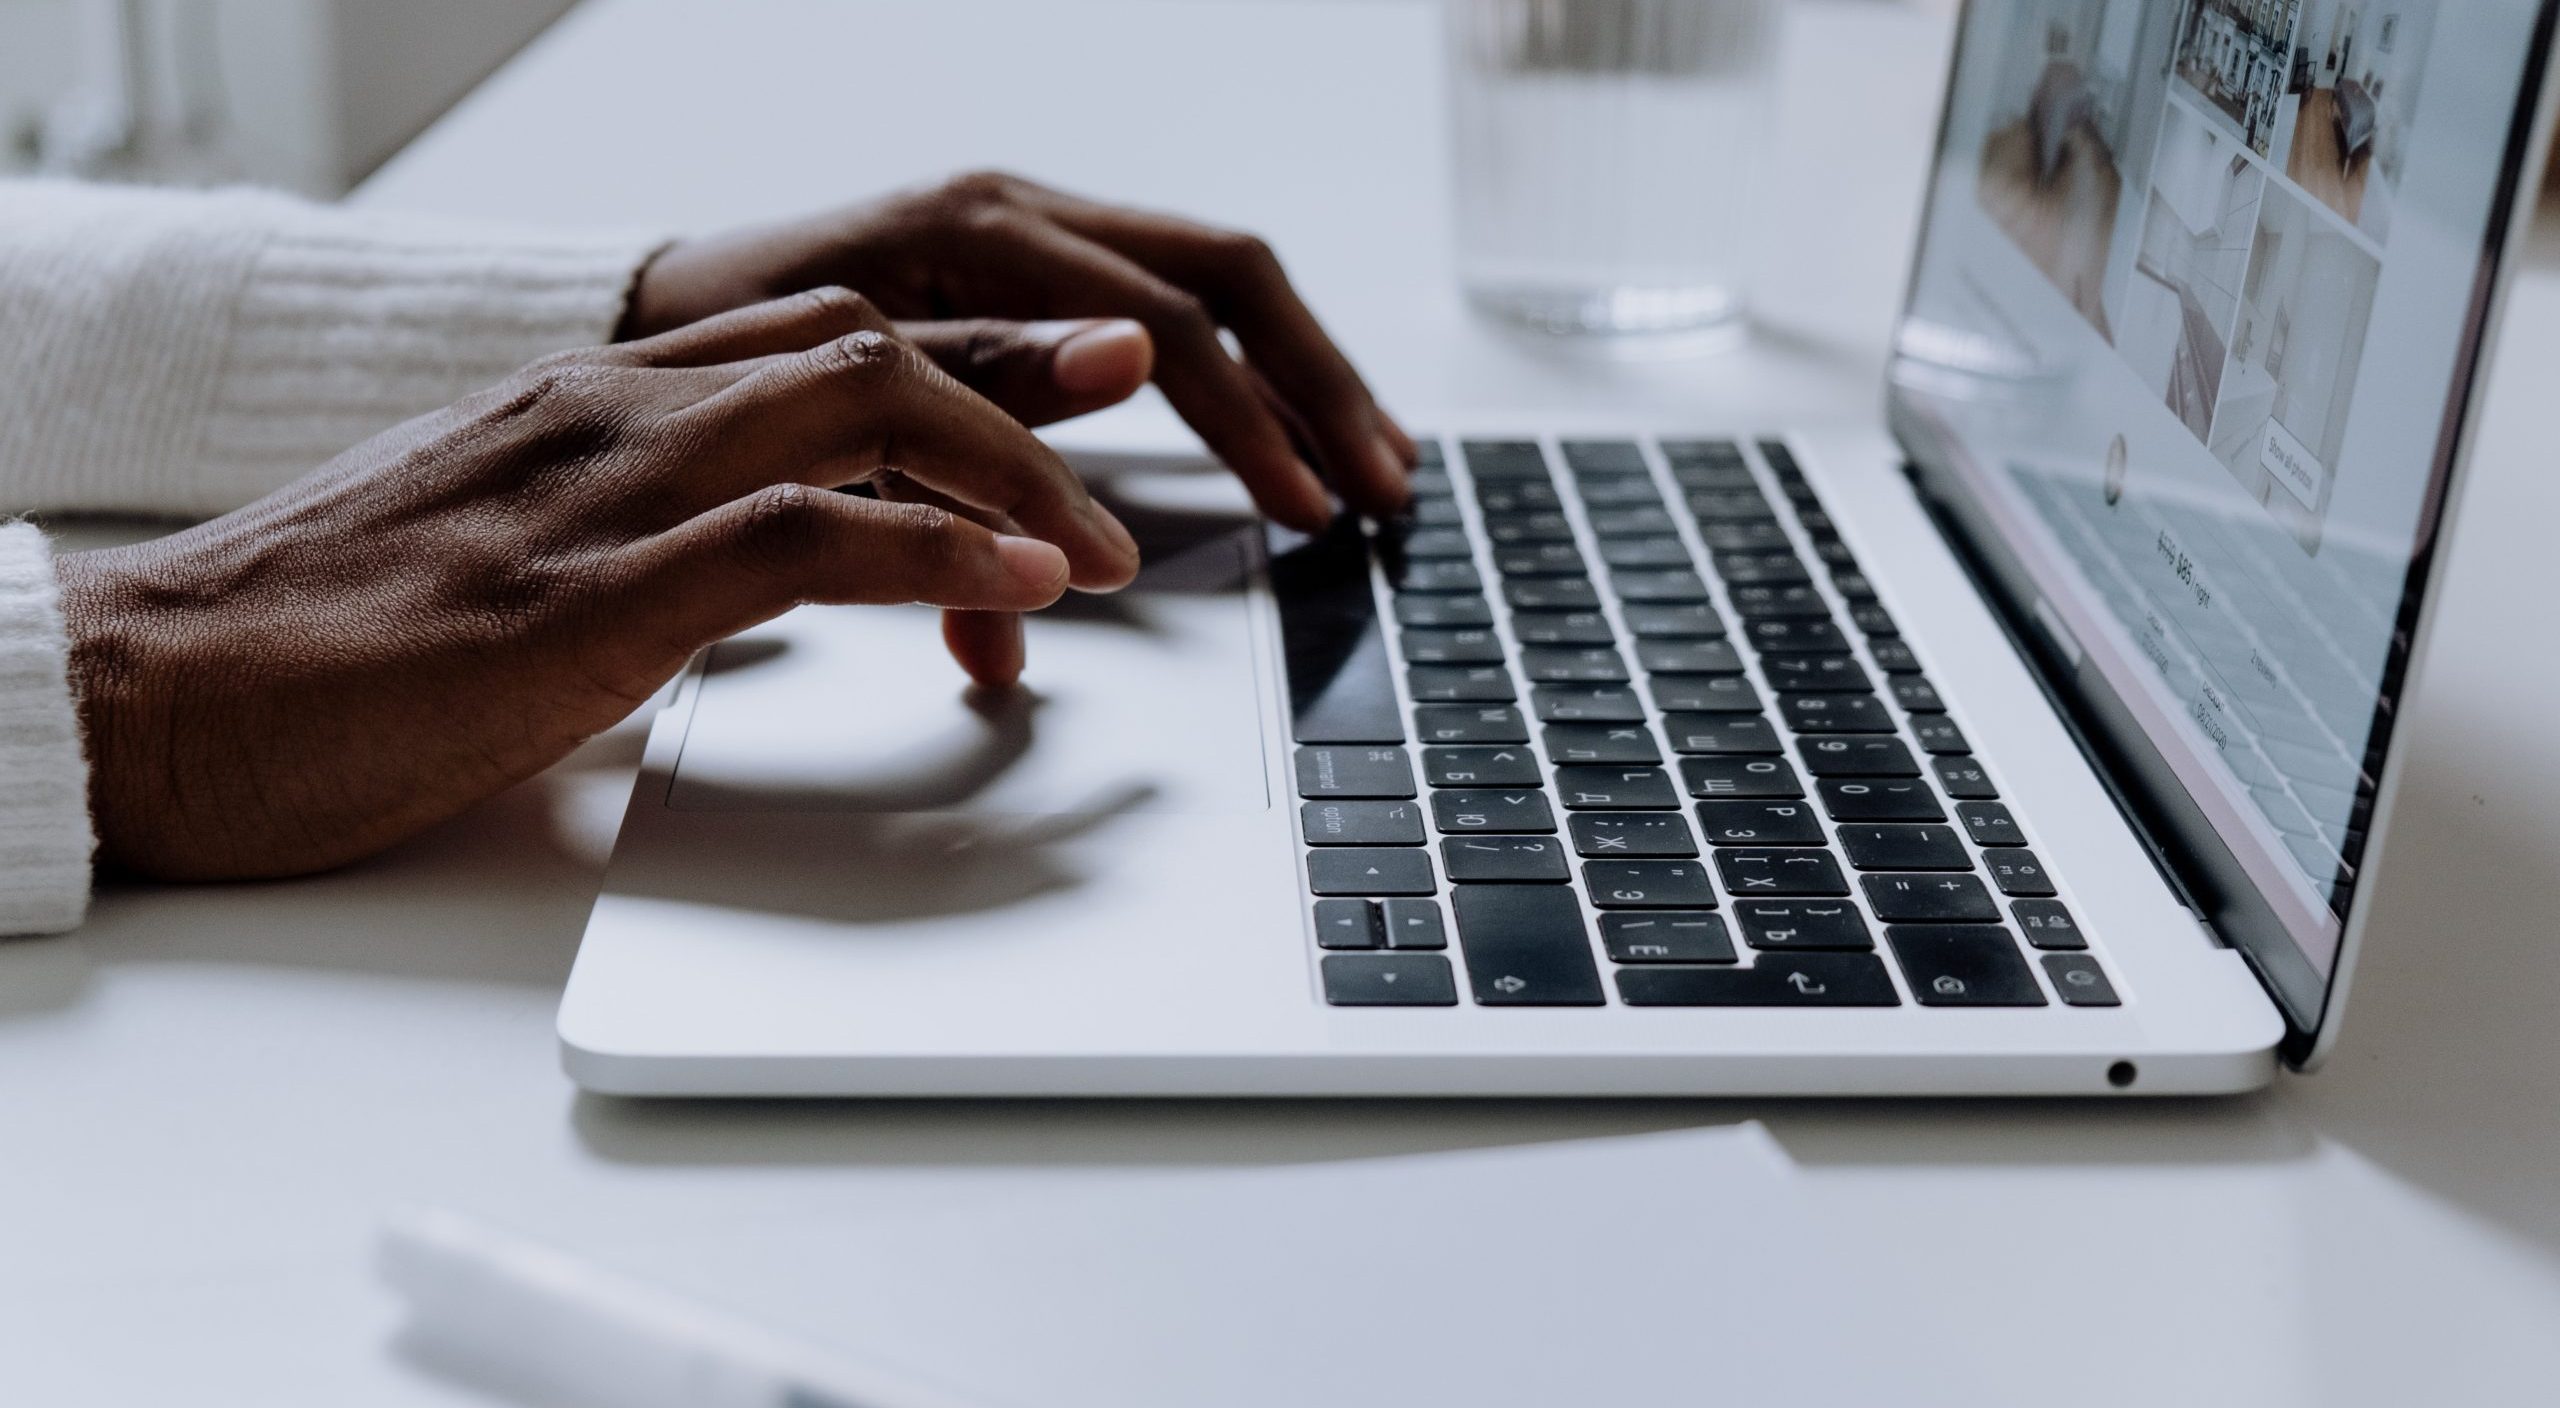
454	605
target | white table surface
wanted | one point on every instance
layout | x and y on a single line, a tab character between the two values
208	1095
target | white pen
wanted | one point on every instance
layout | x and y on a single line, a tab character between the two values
534	1317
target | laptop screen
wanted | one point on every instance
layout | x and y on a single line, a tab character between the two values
2190	340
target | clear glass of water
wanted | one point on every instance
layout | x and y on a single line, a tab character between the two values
1602	156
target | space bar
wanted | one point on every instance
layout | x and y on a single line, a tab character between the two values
1341	686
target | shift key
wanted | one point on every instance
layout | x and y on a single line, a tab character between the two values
1525	946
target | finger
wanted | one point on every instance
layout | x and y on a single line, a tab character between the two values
1242	282
782	326
989	645
1079	278
1040	373
752	559
849	409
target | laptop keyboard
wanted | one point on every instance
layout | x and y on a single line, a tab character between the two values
1543	759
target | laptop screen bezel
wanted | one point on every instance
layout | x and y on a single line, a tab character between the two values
2198	857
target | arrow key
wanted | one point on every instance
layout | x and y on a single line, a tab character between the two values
1389	980
1415	924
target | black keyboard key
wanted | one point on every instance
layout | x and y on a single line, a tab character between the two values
1589	788
1559	664
1930	899
1361	823
1540	560
1964	779
1527	527
1749	568
1474	646
1744	536
1717	477
1429	511
1797	980
1703	452
1430	543
1480	767
1879	799
1389	980
1746	734
1892	656
1413	924
1443	612
1647	835
1504	459
1850	583
1817	674
1595	704
1679	586
1620	491
1729	506
1601	743
1648	884
1365	872
1963	965
1348	924
1767	823
1603	456
1704	694
1523	811
1669	621
2018	873
1666	936
1835	713
1550	594
1873	619
1523	860
2048	925
1916	695
1781	461
1644	554
1526	946
1340	686
1780	874
1857	757
1505	496
1435	576
1895	846
1335	771
1938	734
1989	824
1797	601
1562	628
1688	657
1738	776
1460	684
1794	637
1795	925
1470	723
1640	522
2080	980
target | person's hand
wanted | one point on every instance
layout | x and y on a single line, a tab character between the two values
454	605
995	246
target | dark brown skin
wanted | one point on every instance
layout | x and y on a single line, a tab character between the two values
455	605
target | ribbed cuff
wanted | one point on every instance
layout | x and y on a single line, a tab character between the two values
45	838
348	324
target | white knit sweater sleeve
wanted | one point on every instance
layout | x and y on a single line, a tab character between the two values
187	352
44	801
166	352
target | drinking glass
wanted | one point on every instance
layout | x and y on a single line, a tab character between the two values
1602	159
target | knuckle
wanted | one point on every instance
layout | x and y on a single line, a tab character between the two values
1181	309
835	301
869	356
984	186
780	527
1245	251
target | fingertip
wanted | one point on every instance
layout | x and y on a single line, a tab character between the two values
1109	358
1039	568
987	644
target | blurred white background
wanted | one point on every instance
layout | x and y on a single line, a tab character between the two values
307	94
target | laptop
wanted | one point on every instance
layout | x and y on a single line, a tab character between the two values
2038	738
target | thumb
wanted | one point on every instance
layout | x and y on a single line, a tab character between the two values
1042	372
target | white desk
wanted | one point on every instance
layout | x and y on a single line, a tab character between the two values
207	1096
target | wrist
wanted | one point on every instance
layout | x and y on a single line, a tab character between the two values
111	673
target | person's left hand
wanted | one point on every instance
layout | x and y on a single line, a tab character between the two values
992	247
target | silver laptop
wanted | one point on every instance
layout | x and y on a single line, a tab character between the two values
2037	740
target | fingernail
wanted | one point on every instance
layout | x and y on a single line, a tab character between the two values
1033	563
1114	529
1112	355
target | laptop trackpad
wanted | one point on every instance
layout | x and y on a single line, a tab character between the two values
1144	700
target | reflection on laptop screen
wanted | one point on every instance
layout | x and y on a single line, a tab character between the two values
2195	296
